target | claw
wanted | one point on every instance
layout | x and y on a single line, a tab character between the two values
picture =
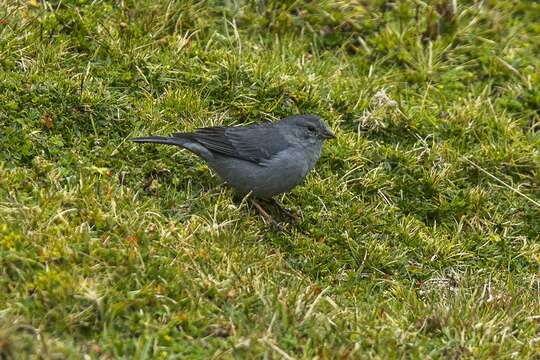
292	216
267	216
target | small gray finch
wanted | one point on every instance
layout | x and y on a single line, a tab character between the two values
261	160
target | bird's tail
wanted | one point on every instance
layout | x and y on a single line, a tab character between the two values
159	140
183	140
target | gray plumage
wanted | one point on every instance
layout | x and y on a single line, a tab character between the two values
265	160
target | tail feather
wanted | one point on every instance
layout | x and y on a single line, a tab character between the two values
158	140
180	139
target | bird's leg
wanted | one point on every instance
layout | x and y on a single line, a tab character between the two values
266	215
292	216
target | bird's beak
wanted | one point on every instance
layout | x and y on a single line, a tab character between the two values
328	134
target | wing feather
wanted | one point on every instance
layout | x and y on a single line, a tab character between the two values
254	143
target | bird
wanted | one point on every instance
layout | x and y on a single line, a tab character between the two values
257	160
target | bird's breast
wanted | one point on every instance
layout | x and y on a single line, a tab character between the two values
273	176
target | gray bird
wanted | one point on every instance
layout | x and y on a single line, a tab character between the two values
264	160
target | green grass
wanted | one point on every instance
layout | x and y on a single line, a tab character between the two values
420	224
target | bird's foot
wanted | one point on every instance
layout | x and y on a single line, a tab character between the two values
269	218
294	218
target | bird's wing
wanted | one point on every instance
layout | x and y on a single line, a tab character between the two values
254	143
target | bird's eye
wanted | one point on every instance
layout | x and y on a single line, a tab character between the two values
311	128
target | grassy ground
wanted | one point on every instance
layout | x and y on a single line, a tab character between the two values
420	225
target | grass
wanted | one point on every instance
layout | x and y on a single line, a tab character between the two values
420	225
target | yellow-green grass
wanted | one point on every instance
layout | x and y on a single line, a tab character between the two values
419	231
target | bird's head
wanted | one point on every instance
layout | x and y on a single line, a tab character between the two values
308	128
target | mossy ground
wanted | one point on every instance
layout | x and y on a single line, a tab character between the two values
420	225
